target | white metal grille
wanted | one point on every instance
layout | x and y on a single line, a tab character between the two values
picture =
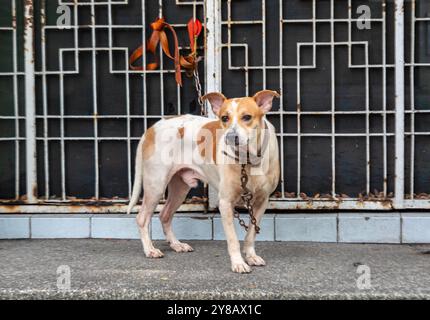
325	23
250	45
417	101
82	63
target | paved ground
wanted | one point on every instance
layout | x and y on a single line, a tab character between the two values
117	269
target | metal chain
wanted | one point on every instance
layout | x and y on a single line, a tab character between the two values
199	91
247	197
203	113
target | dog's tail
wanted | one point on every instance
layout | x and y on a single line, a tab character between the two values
138	179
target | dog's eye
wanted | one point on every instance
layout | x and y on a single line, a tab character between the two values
225	118
246	117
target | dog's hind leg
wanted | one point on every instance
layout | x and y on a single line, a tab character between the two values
151	198
177	192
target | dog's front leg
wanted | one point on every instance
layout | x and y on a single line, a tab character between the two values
237	263
249	245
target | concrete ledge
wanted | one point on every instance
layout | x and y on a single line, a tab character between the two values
190	226
341	227
14	227
60	226
267	228
416	228
369	228
114	227
306	227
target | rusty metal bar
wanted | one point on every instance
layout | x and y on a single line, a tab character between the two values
213	78
30	103
412	100
399	59
85	208
15	99
109	207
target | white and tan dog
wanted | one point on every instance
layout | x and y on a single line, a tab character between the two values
177	152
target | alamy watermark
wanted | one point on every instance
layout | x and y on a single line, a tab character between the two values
364	20
64	20
364	281
64	278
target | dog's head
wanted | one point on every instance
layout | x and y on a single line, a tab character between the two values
242	118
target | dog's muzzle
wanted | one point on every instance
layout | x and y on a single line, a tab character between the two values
232	139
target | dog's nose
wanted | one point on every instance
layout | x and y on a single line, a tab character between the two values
232	139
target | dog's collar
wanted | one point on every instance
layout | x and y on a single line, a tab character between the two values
252	159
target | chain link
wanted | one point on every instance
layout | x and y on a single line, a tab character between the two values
247	198
199	91
203	112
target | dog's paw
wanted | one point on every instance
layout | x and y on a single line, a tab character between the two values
240	267
255	261
181	247
154	254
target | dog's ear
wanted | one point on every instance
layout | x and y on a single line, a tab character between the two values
264	99
216	100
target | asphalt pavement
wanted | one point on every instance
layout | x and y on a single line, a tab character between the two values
117	269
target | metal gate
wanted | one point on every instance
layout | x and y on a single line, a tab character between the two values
352	122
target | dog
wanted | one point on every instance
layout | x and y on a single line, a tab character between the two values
176	153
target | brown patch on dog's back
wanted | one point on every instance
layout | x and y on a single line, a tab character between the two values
208	147
181	132
149	143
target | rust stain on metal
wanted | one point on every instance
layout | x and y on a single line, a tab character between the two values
14	20
11	208
43	17
82	208
28	20
34	190
387	204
